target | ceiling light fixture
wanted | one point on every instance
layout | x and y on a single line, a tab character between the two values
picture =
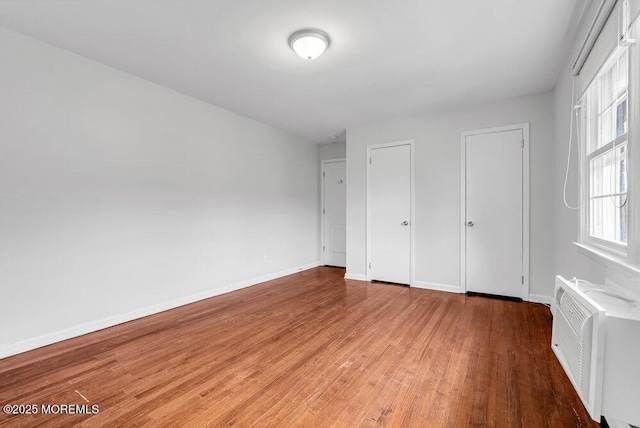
309	44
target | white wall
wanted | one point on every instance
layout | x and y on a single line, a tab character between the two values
119	197
437	181
333	151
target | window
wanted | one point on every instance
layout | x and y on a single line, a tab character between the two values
604	113
607	120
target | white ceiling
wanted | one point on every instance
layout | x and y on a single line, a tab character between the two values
388	58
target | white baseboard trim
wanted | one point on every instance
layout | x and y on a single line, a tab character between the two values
613	423
434	286
537	298
10	349
90	327
355	276
271	276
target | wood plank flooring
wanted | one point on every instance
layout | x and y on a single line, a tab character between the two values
310	349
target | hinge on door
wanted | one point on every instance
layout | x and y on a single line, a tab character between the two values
369	160
323	248
522	279
323	211
369	265
523	142
323	173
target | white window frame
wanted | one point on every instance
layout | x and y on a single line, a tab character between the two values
623	258
591	128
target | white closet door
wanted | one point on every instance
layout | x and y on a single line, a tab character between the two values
390	214
494	213
334	214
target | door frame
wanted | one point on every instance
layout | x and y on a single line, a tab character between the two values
525	202
323	164
412	216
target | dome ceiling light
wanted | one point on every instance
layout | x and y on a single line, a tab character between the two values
309	44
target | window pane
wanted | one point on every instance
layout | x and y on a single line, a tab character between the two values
603	219
602	175
622	76
621	212
587	123
595	177
595	228
621	169
606	122
606	89
608	172
609	218
621	118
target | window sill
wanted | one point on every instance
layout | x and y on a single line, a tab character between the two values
609	260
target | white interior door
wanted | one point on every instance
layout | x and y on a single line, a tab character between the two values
390	214
494	213
334	213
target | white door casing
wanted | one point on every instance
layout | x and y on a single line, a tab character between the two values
495	211
334	212
390	212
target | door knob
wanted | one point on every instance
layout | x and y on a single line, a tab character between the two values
470	223
405	223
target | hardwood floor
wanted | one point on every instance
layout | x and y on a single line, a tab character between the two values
310	349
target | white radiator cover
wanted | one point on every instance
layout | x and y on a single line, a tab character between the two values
578	342
597	340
